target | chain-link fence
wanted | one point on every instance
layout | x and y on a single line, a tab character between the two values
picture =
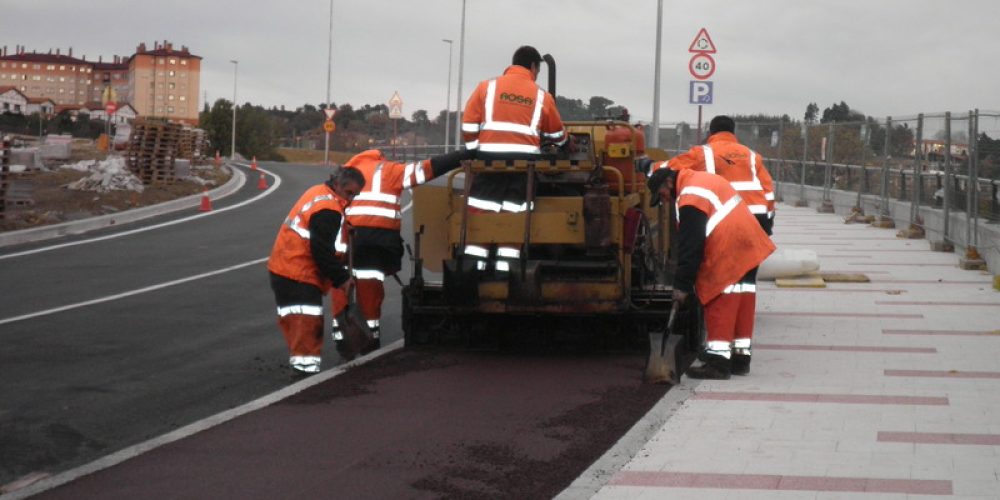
944	166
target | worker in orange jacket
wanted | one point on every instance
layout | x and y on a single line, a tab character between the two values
375	217
720	247
508	117
307	260
741	166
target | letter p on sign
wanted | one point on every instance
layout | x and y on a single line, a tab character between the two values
700	92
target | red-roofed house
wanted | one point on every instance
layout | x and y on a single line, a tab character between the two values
12	100
42	105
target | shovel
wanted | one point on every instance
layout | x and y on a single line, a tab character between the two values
663	365
357	336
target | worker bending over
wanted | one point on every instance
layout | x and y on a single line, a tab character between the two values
741	166
720	247
307	260
375	217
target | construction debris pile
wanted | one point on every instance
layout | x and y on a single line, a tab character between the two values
193	145
107	175
152	151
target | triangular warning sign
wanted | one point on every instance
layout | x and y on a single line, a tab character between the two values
702	43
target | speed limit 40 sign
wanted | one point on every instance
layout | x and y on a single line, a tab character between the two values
702	66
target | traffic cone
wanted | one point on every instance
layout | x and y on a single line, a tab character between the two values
253	163
206	202
262	183
218	159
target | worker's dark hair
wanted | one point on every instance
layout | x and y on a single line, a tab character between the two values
721	123
342	175
525	56
656	179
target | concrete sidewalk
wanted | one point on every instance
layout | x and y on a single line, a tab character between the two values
887	389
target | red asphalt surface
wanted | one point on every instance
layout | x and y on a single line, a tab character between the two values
406	425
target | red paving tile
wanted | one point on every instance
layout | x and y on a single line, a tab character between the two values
968	333
933	303
939	438
821	398
846	348
853	271
828	289
839	315
905	264
668	479
934	282
941	374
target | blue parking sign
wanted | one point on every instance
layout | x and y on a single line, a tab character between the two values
700	92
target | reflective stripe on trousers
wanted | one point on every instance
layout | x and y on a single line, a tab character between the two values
307	364
718	348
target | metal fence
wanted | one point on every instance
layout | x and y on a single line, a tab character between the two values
948	161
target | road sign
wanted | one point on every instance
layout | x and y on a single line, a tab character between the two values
701	66
395	106
110	108
700	92
329	113
329	126
702	43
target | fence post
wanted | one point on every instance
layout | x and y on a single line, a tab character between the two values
827	205
916	229
884	218
945	243
802	178
863	173
972	259
781	161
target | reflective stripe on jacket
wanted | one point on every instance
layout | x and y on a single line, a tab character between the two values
291	256
734	241
740	165
378	204
511	114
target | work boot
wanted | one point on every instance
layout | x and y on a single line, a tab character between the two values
374	345
740	364
713	367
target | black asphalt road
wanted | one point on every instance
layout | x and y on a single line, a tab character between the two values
81	383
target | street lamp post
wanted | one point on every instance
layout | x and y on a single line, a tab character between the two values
461	63
329	69
232	151
654	137
447	101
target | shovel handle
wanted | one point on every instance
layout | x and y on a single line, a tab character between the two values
673	315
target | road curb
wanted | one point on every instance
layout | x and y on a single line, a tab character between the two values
46	483
235	182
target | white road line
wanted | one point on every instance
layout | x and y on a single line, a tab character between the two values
194	428
277	182
131	292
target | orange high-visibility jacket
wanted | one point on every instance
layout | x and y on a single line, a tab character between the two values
740	165
734	241
291	256
511	114
377	205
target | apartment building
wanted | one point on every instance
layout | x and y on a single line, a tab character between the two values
162	82
165	82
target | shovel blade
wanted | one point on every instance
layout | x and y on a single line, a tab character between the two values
357	335
663	367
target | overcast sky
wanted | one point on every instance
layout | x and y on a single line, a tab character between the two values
882	57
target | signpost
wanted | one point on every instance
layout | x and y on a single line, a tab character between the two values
702	67
328	127
109	96
395	112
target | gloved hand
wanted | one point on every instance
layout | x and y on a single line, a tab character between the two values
643	165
